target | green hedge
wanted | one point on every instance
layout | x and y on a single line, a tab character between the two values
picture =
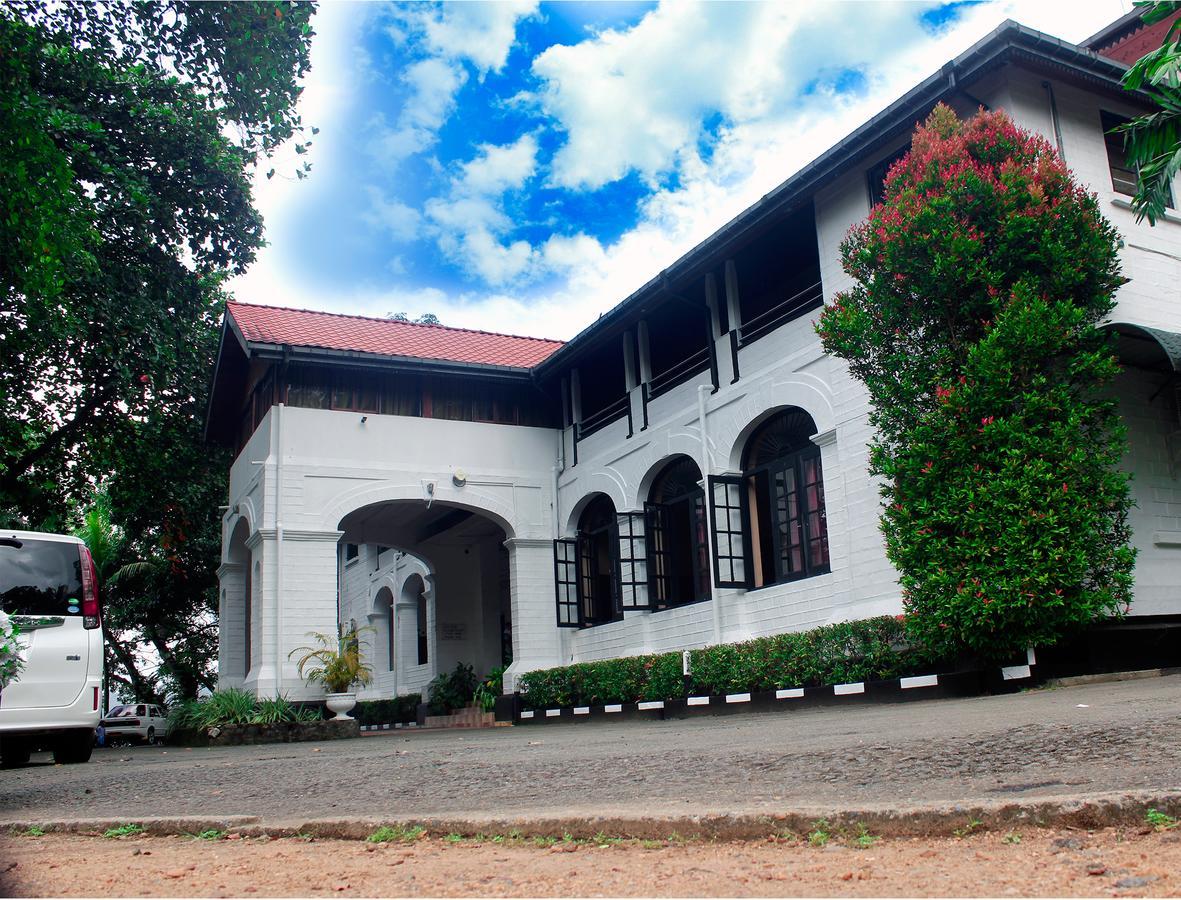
387	712
865	650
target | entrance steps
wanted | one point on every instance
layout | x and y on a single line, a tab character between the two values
469	717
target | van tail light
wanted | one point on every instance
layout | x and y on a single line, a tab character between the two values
96	699
89	589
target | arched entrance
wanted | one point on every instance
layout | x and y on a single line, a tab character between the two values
238	618
452	602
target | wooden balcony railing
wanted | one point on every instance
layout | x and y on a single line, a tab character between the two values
811	297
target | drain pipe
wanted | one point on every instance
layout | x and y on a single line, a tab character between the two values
1054	119
706	468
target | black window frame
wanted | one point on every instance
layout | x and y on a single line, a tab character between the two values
1117	154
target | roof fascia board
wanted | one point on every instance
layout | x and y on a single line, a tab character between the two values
296	353
991	50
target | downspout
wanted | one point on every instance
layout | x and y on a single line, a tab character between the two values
706	468
1054	119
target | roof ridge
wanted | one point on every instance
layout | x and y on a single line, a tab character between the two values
321	312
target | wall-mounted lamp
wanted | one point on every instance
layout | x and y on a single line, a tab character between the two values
364	419
459	478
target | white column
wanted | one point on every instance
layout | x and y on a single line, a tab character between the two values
231	624
309	604
536	640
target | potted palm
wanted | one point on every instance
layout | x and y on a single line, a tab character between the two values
336	663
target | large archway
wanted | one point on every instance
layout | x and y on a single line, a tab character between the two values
237	614
452	604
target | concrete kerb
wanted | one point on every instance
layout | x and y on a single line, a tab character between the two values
1074	812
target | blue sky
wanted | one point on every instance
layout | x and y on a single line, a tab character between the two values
522	167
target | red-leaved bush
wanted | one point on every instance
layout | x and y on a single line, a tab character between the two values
980	283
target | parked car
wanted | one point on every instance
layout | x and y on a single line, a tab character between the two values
143	723
48	585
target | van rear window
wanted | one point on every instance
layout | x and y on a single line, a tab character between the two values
40	578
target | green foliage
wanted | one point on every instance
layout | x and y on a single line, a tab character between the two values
337	663
396	834
1153	142
209	834
387	712
865	650
489	689
980	283
453	690
130	829
863	839
820	834
31	831
127	135
1161	821
234	706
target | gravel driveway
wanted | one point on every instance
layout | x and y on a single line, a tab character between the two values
1069	741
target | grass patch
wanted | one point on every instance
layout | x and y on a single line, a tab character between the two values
31	831
1011	838
820	833
972	826
209	834
396	834
126	830
453	838
1161	821
863	840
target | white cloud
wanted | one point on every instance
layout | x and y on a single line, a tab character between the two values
470	221
499	168
433	85
396	218
648	119
482	33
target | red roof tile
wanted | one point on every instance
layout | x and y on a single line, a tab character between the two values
333	331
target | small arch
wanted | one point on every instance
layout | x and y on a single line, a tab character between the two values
598	561
783	481
413	599
677	538
387	636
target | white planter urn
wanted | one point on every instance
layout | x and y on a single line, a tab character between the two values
341	704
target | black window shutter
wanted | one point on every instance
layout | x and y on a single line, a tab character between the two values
731	521
633	563
566	582
656	545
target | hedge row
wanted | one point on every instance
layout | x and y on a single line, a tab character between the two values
387	712
864	650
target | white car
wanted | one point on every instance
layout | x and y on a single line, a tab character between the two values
48	585
142	722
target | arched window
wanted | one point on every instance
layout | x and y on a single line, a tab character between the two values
785	496
598	562
677	543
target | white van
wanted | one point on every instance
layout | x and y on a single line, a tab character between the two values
49	586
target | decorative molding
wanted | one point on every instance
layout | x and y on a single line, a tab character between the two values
1166	538
825	438
290	534
528	543
227	568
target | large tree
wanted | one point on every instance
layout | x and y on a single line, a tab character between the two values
128	134
980	283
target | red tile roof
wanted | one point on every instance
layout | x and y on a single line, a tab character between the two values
333	331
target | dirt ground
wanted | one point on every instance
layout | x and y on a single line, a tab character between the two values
1112	862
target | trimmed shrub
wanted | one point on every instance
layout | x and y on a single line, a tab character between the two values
453	690
387	712
865	650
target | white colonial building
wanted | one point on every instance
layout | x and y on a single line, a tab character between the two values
690	469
